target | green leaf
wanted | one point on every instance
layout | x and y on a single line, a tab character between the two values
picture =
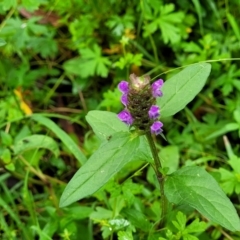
228	180
100	167
235	164
118	24
167	20
144	151
169	32
2	42
225	129
199	13
35	142
180	224
234	25
5	156
64	137
101	213
195	187
196	226
236	116
7	4
128	60
6	138
170	158
90	63
31	4
189	237
138	219
104	123
124	235
10	167
79	212
181	89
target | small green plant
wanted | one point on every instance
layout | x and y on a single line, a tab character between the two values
191	185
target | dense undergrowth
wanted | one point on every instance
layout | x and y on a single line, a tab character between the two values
62	59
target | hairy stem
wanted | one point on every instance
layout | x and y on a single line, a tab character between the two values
160	177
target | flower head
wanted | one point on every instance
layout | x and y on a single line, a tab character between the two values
156	88
139	99
125	116
156	128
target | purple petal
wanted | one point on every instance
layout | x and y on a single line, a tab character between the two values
123	86
154	112
124	99
156	88
158	83
156	128
125	117
157	93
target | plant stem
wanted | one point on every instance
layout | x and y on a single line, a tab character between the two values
9	15
154	48
160	177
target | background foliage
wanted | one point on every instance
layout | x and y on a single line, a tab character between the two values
60	59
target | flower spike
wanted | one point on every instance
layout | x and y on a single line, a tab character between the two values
139	98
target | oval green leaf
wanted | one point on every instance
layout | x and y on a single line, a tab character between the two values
35	142
197	188
181	89
100	167
104	123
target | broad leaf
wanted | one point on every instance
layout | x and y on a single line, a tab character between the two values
100	167
195	187
104	123
34	142
68	142
181	89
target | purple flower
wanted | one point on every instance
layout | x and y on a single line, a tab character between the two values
123	86
156	128
154	112
156	88
139	99
124	99
125	117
